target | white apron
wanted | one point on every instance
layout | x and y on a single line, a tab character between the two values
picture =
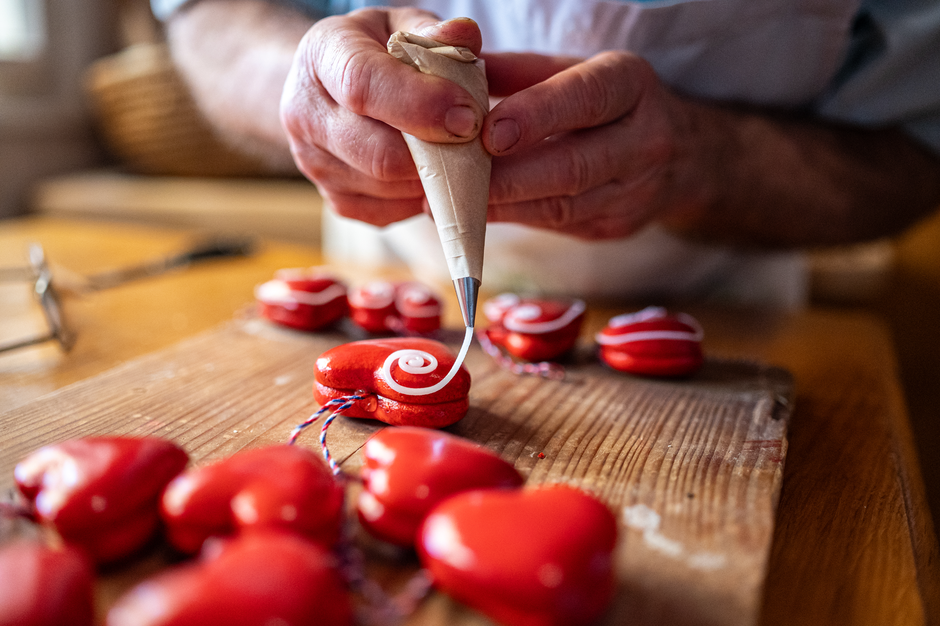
763	52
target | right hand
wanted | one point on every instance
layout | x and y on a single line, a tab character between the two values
347	101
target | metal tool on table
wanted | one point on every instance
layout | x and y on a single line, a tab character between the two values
49	292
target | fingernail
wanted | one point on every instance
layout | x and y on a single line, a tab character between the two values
504	135
461	121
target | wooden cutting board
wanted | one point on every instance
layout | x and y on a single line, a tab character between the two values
691	468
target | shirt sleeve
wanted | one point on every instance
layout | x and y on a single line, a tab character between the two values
891	75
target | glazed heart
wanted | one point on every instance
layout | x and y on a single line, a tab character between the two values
41	586
534	329
407	471
652	343
101	493
262	578
389	372
540	557
281	486
380	305
305	299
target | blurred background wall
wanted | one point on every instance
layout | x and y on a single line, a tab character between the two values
45	125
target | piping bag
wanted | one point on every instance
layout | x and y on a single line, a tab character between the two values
455	177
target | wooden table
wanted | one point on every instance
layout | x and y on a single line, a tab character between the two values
853	542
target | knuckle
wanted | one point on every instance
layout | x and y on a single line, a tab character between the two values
576	174
387	163
557	213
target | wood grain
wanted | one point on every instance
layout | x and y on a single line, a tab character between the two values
853	543
692	468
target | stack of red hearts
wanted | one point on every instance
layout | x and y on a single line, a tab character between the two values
305	299
524	557
273	515
382	306
533	329
266	521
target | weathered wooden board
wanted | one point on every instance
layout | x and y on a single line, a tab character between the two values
691	468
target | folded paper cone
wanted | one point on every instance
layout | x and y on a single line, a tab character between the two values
456	177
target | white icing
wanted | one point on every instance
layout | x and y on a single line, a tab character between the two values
420	362
414	295
279	292
495	308
516	319
648	314
375	295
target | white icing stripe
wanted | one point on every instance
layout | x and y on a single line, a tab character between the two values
539	328
376	295
413	362
495	308
650	314
647	335
278	292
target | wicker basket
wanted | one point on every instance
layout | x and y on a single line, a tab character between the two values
150	122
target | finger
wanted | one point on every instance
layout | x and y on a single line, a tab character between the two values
596	92
311	118
611	211
573	163
329	172
459	31
372	210
509	72
350	59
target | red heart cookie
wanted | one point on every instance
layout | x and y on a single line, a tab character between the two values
264	577
305	299
380	306
101	492
407	471
540	557
401	378
286	487
533	329
652	343
41	586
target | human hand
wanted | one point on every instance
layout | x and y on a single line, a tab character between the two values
596	149
347	100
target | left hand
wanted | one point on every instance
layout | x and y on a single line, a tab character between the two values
596	148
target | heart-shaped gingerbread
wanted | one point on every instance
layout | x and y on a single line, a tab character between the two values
305	299
652	342
101	493
282	486
401	379
44	586
381	306
533	329
407	471
540	557
264	577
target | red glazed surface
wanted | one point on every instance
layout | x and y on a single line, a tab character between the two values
264	577
652	343
305	299
287	487
355	369
380	306
534	329
540	557
41	586
101	493
407	471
